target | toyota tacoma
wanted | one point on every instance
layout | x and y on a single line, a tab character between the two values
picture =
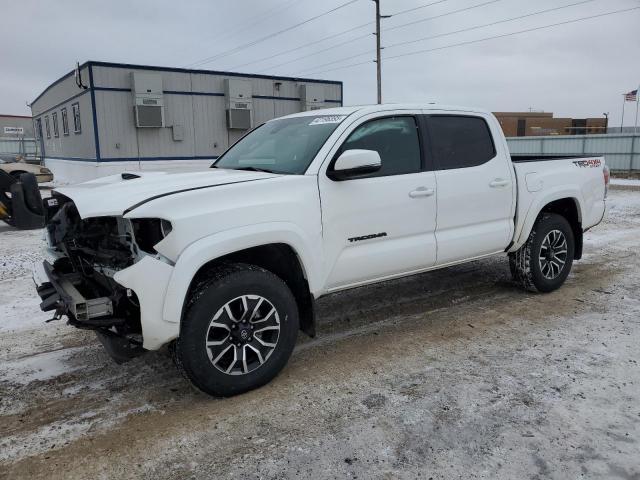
225	265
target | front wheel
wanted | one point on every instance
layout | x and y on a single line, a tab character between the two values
543	263
238	332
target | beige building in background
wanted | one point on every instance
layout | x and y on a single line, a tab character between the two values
15	126
526	124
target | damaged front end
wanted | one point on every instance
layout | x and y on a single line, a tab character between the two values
77	279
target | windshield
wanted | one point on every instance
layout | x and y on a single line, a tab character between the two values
287	145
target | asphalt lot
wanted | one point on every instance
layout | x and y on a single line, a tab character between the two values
450	374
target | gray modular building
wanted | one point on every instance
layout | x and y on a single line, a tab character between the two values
105	118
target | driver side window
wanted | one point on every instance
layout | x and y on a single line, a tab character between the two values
396	141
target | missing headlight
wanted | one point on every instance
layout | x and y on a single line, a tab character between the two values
149	232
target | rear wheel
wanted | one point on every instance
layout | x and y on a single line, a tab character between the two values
238	332
543	263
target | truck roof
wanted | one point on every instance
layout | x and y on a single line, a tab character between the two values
385	106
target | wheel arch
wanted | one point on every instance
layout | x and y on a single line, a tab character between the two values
281	260
569	209
263	245
566	204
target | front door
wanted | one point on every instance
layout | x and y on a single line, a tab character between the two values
382	225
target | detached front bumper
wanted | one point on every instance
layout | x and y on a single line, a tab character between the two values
148	279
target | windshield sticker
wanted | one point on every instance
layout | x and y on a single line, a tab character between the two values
327	119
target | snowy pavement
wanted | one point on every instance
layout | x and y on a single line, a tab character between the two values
625	183
450	374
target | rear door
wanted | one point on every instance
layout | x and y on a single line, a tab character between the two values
383	224
475	187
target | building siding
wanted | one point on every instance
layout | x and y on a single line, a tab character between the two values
16	121
63	94
193	100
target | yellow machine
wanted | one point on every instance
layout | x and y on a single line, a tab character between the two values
4	213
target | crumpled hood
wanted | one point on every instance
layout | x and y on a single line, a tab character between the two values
113	195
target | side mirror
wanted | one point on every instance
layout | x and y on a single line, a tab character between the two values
355	163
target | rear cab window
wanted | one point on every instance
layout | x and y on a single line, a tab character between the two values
459	141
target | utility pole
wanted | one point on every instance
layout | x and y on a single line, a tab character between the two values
378	56
379	48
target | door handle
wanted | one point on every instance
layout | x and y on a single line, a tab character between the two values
422	192
499	182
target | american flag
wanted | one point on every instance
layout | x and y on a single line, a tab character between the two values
631	96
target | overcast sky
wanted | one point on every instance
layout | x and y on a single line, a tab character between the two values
579	69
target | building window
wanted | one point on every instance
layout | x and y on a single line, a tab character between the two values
54	118
39	128
76	118
46	126
65	121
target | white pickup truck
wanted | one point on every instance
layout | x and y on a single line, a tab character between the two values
225	265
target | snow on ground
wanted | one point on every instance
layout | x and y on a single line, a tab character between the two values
633	182
39	367
19	250
450	374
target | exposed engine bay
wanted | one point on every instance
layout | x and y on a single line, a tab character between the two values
85	254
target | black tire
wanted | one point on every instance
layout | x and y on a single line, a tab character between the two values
226	284
32	197
525	263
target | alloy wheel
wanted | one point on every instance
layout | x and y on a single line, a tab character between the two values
243	334
553	254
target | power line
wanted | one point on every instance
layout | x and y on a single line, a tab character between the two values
335	35
458	31
402	25
319	51
482	39
257	19
304	46
266	37
402	12
519	32
393	45
441	15
368	52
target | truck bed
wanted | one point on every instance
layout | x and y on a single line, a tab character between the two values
536	158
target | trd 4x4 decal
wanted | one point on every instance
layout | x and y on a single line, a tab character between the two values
592	163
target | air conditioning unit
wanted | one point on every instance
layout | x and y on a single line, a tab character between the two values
311	97
148	99
239	103
238	119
